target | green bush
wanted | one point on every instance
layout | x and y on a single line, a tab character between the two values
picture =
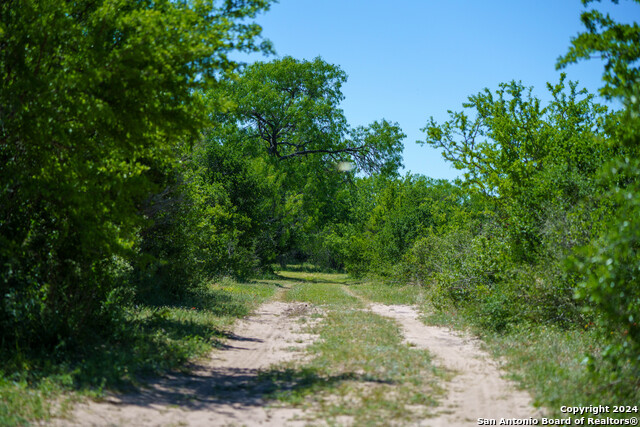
95	96
609	265
478	275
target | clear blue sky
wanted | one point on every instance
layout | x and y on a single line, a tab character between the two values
408	60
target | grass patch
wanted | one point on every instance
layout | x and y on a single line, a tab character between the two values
305	267
360	368
21	402
389	294
151	338
322	294
296	277
447	316
316	288
551	363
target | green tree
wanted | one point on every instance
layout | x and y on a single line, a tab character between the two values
616	43
525	157
212	219
610	264
291	108
384	217
284	118
297	196
94	97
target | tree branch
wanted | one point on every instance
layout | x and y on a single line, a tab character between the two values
331	152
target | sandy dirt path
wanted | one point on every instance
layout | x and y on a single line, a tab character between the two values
478	389
223	390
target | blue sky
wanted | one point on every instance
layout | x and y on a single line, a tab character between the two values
408	60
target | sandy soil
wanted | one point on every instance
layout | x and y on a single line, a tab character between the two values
478	389
223	390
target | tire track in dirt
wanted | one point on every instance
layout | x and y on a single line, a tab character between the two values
223	390
478	389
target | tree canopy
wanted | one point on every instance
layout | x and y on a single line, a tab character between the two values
95	96
291	108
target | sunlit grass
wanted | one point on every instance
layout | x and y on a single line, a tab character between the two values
389	294
152	338
551	363
322	294
360	368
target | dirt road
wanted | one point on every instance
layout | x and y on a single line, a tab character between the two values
227	390
477	389
222	391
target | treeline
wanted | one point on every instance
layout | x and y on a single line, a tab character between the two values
99	100
497	241
542	228
139	163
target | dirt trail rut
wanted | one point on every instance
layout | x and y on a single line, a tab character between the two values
225	389
478	389
220	391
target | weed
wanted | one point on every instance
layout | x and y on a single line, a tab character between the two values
551	362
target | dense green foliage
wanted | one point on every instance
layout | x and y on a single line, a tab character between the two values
610	264
383	219
527	159
287	125
535	169
95	97
291	108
